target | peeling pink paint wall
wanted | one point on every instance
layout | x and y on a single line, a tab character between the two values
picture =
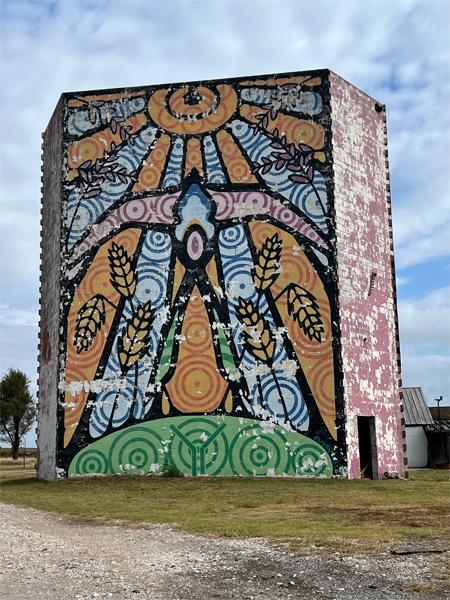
366	275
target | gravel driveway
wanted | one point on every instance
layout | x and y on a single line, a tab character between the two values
44	556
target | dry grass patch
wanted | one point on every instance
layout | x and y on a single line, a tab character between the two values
326	513
441	573
338	546
420	587
10	467
344	546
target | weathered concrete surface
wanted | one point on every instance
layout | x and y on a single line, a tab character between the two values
49	313
52	558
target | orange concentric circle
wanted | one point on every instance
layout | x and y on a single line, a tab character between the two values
196	385
213	111
197	336
321	380
176	101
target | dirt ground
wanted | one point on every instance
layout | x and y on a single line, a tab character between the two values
44	556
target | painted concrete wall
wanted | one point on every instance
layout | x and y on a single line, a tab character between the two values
367	298
199	309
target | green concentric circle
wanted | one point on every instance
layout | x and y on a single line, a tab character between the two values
137	450
253	452
311	461
91	461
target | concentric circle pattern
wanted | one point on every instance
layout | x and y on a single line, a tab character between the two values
213	166
150	174
193	157
205	445
212	112
233	242
134	450
236	165
257	453
89	462
310	459
197	385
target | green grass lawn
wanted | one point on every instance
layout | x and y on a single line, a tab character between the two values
318	511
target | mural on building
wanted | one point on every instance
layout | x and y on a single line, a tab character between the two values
199	300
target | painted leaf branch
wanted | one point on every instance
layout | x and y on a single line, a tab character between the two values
258	337
285	97
297	160
92	175
123	277
268	263
135	339
90	319
303	306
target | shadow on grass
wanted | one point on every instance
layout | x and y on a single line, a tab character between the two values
25	481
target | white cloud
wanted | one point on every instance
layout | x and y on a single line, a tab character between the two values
19	351
401	281
426	321
396	51
11	317
431	372
423	248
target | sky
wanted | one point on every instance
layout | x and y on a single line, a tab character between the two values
397	51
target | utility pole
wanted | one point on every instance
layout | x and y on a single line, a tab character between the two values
439	400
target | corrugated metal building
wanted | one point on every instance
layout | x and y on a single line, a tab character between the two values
417	418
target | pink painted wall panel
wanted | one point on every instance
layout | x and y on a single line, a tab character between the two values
366	275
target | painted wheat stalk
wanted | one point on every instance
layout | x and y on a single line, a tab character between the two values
268	263
135	338
90	319
123	277
303	306
258	338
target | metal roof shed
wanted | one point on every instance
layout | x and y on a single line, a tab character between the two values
417	417
417	411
